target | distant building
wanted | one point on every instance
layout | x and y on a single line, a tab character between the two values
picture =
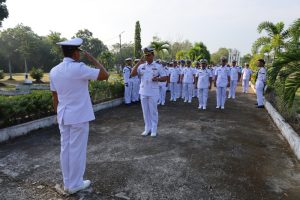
234	54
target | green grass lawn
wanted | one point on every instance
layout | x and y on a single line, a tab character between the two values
19	78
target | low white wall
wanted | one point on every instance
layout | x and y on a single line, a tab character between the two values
286	130
23	129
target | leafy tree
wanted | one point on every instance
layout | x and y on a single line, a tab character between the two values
127	50
215	57
199	51
3	11
137	41
246	58
107	59
182	55
91	44
274	42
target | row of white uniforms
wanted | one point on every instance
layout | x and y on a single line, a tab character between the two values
131	84
163	86
260	85
246	74
149	91
70	80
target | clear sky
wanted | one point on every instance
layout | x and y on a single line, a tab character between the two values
217	23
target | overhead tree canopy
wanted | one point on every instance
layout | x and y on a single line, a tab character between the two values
3	11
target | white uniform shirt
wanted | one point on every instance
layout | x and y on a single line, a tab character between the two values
188	75
262	75
246	73
174	74
70	79
147	72
234	73
222	74
203	78
126	74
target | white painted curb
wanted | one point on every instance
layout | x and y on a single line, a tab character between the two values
286	130
23	129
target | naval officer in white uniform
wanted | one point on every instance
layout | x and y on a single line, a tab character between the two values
203	82
128	83
151	74
222	81
71	100
234	79
261	78
246	76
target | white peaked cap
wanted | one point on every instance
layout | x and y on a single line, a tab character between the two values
72	42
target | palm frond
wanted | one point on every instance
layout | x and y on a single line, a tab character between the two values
260	42
292	84
269	27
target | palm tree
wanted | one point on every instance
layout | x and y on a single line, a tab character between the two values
160	47
286	67
274	42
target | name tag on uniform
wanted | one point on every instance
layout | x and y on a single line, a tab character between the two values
154	68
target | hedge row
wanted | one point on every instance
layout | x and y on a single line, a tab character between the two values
38	104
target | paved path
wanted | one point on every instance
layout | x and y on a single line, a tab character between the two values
237	153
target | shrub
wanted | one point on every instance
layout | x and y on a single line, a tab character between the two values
22	108
102	90
37	74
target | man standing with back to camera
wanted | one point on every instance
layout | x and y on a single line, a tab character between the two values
71	100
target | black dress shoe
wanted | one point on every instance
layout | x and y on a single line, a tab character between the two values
260	106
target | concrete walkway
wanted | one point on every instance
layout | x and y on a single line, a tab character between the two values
236	153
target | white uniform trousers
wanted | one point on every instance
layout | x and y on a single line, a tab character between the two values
135	90
260	92
162	93
188	91
150	113
179	90
195	91
232	89
73	140
202	96
221	96
173	91
245	84
128	92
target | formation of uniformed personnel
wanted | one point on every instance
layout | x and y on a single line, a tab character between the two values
163	86
204	80
234	78
151	73
187	79
222	81
128	83
71	100
174	79
260	83
246	77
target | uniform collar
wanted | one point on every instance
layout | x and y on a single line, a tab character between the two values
67	59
